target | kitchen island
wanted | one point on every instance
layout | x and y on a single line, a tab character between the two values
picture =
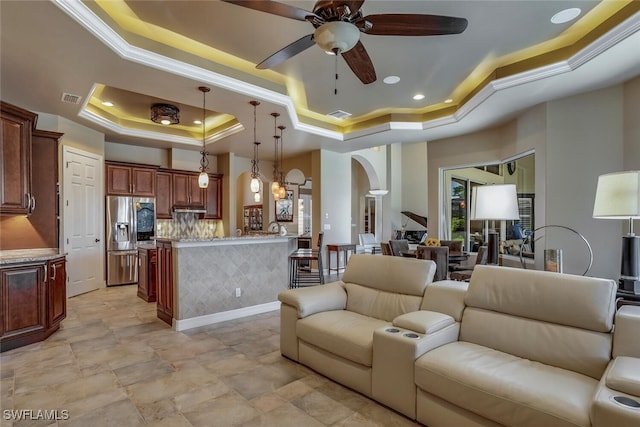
221	279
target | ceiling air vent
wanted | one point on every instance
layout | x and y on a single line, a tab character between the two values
339	114
70	98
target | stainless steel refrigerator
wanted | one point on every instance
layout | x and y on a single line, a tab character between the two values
129	221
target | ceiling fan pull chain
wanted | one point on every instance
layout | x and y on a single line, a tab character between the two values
335	87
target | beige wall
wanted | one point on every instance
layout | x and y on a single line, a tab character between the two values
575	139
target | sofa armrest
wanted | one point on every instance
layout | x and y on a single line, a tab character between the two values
423	321
315	299
617	398
624	375
625	332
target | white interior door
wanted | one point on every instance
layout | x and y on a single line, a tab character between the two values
83	212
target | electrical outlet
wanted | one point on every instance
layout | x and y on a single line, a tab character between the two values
238	292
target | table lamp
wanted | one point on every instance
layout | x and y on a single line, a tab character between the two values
495	203
618	197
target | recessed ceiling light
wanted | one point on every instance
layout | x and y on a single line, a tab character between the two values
418	97
448	101
107	104
197	122
391	80
566	15
165	122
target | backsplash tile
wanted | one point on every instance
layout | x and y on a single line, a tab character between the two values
187	225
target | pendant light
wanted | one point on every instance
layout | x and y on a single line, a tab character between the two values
255	170
282	192
203	178
275	185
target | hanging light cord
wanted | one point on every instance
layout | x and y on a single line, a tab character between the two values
282	128
204	161
275	147
255	170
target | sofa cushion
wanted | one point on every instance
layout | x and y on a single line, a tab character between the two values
565	299
379	304
391	274
566	347
504	388
344	333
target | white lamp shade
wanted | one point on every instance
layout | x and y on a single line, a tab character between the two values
203	180
618	196
255	185
336	35
494	202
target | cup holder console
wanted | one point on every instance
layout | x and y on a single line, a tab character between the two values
404	333
626	401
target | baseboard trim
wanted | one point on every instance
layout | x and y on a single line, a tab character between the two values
210	319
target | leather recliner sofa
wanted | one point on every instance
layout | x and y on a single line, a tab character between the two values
518	348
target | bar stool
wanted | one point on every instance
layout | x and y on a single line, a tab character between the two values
304	256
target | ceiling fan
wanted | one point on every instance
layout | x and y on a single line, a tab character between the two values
338	24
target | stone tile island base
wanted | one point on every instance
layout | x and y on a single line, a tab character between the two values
207	274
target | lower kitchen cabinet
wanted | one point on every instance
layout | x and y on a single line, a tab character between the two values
33	301
147	266
164	281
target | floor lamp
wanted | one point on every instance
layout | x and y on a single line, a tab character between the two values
618	197
494	203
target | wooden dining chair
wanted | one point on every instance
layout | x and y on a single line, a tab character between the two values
437	254
386	248
397	246
465	275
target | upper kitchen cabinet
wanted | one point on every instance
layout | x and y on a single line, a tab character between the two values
15	159
130	180
164	189
186	191
213	195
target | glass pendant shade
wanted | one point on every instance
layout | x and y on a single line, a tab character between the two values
255	185
282	192
275	187
257	198
203	180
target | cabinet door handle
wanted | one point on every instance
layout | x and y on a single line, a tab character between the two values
29	201
33	203
53	272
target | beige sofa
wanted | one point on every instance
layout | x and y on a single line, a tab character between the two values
366	330
535	349
518	348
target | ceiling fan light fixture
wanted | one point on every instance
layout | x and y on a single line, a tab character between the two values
165	114
336	36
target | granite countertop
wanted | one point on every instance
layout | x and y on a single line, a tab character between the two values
17	256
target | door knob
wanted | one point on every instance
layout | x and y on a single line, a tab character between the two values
97	240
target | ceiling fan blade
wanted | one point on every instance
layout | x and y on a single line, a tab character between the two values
358	60
274	8
415	25
287	52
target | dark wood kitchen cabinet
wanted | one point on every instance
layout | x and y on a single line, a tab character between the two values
15	159
164	191
57	292
147	266
186	191
130	180
33	301
164	282
213	196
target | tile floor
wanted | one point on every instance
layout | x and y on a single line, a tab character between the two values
114	364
